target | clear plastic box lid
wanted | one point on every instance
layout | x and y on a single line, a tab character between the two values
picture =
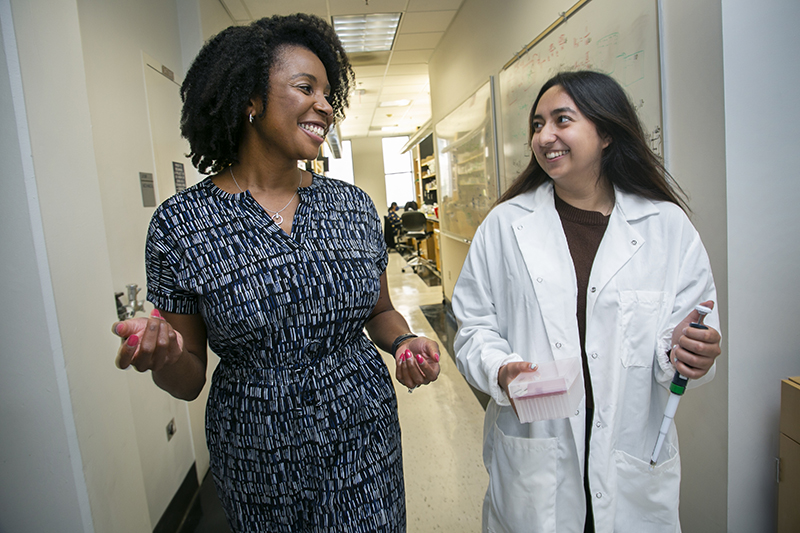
551	377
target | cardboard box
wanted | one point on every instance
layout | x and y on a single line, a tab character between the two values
790	408
789	474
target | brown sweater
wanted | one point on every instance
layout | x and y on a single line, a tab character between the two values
584	231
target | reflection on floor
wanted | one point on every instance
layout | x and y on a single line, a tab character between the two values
442	427
443	323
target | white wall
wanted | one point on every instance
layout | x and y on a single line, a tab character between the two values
484	36
694	123
762	129
135	124
34	439
368	170
73	270
94	434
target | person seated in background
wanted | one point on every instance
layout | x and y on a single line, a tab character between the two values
392	226
394	218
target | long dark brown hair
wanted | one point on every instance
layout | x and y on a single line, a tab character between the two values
627	162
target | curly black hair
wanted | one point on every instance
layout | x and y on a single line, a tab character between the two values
234	65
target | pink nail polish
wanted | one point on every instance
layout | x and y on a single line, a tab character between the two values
420	359
155	314
407	356
133	340
117	328
436	357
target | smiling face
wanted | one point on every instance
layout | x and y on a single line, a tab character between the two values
565	143
298	112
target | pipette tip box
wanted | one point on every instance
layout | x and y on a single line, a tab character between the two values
552	391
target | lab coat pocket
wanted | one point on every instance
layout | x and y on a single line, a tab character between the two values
647	499
639	316
522	484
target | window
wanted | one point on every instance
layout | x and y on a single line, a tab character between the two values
342	168
398	171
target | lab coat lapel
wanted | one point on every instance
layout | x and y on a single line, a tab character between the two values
543	245
620	243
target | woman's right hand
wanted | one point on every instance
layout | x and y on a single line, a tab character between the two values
510	371
147	343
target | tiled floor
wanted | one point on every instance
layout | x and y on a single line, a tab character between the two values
442	428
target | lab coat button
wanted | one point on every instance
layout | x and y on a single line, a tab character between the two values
633	242
597	424
519	227
598	495
594	289
558	345
577	412
594	355
539	280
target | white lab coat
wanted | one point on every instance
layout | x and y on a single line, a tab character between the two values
515	300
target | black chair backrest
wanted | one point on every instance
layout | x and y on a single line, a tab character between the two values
414	221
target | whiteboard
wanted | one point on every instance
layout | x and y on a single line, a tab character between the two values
465	146
618	37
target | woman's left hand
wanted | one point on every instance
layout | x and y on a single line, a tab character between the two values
694	350
417	362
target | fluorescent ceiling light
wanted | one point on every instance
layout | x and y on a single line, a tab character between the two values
391	128
367	33
395	103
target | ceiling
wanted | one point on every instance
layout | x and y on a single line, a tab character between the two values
401	74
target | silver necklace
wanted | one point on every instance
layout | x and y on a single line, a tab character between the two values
277	216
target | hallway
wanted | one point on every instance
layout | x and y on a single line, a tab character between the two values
442	428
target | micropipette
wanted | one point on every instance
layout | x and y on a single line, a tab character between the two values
676	390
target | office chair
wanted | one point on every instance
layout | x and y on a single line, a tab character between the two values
415	227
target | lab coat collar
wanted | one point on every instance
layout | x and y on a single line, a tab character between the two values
632	207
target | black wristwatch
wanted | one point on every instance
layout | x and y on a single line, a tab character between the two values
400	340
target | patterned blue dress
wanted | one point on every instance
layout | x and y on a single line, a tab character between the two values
301	421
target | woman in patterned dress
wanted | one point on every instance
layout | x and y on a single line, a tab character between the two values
279	271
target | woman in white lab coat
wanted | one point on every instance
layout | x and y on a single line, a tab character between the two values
588	254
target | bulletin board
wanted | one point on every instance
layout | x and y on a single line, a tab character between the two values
619	39
467	165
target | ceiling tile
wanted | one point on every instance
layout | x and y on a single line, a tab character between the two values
236	9
433	5
417	41
430	21
405	80
357	7
411	56
395	91
391	97
262	8
370	71
370	84
369	99
404	70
